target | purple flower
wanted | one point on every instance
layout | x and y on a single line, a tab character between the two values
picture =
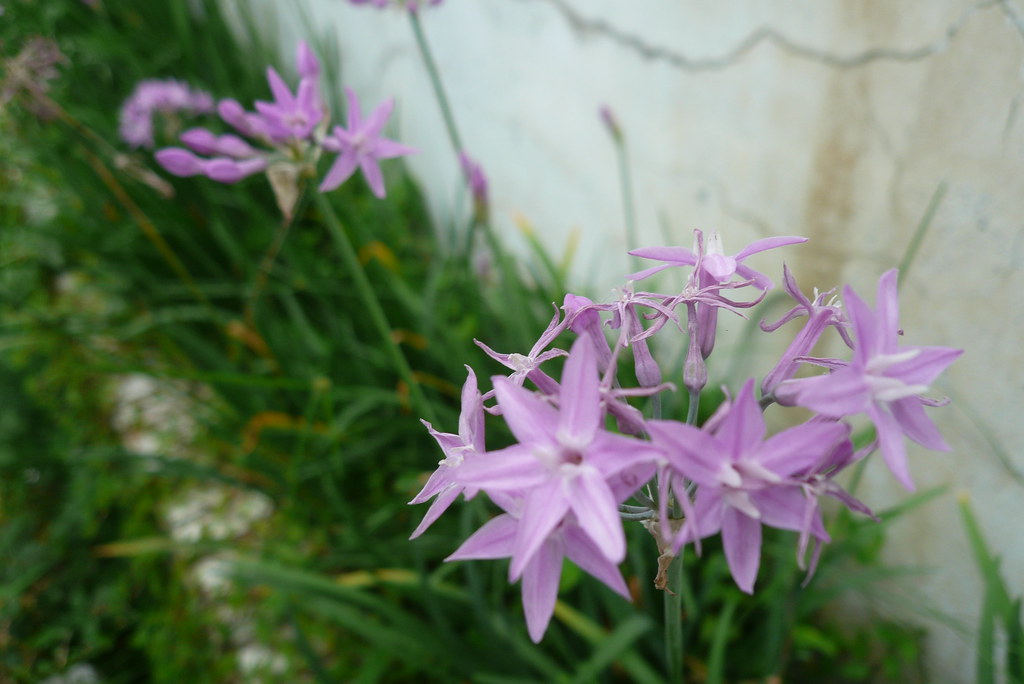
166	97
360	146
745	481
469	443
287	126
821	313
883	380
290	117
565	462
528	366
716	266
713	270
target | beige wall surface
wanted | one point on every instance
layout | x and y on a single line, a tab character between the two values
838	120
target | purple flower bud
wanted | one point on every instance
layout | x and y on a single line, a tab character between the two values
695	371
610	122
306	62
477	185
235	116
231	171
200	140
179	161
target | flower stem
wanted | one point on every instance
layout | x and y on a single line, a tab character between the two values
374	308
693	408
267	264
435	81
626	182
673	600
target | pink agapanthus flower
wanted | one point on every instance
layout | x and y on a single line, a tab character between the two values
564	464
360	146
745	481
885	381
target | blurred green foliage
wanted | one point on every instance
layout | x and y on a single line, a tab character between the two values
285	414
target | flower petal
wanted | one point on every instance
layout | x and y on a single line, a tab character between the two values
925	366
378	118
540	589
582	551
597	512
374	178
741	538
543	509
842	392
768	243
890	440
800	447
916	425
887	313
440	505
531	419
692	451
511	468
341	170
493	540
743	428
580	401
388	149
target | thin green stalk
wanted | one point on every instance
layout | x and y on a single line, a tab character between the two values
693	408
374	309
922	229
626	182
435	81
267	263
509	279
673	601
506	267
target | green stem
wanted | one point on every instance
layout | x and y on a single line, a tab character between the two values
673	600
626	182
435	81
267	263
693	408
919	233
374	309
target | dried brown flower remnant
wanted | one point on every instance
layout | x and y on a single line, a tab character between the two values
29	73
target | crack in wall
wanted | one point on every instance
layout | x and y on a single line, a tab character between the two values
584	25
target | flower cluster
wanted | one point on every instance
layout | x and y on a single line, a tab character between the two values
568	482
285	138
164	97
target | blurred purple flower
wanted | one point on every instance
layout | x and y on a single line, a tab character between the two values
477	182
165	97
360	146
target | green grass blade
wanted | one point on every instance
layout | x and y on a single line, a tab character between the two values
637	668
610	648
716	657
